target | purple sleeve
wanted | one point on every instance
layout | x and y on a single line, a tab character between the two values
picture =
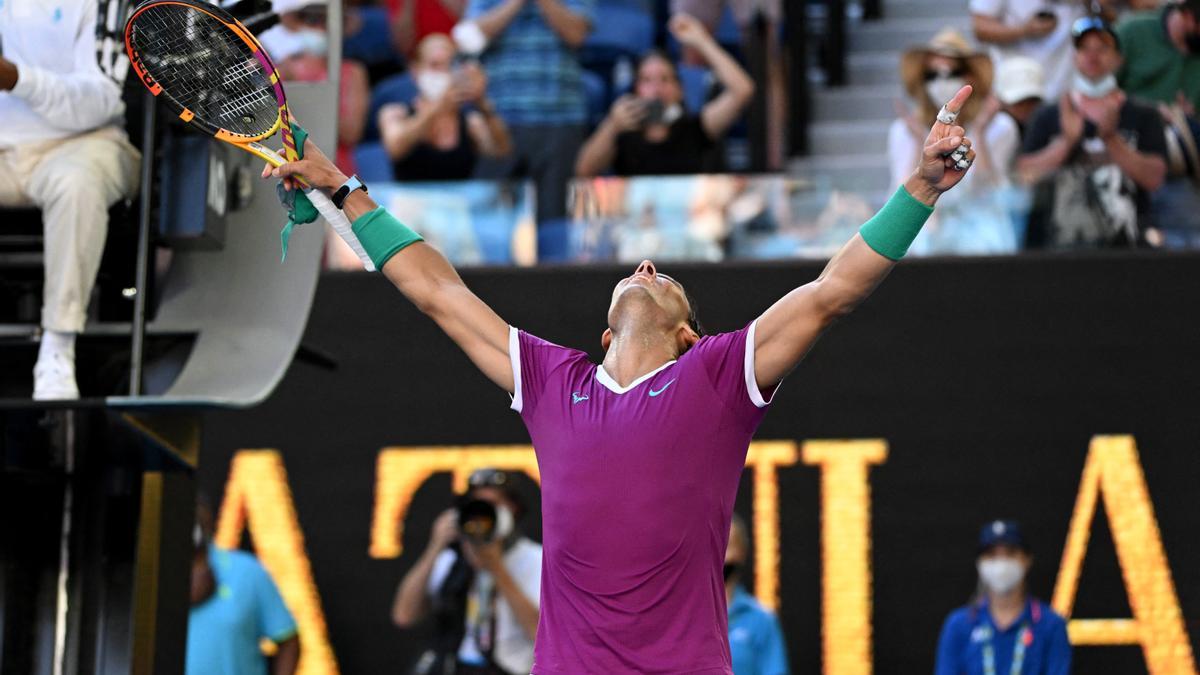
728	358
534	361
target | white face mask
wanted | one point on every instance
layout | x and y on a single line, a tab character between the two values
1000	575
942	89
433	84
505	523
1094	88
314	42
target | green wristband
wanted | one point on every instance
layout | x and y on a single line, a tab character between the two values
891	231
382	236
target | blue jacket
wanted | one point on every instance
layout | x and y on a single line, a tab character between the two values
969	630
755	639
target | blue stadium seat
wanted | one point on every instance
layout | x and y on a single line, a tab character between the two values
696	81
621	31
395	89
373	163
598	99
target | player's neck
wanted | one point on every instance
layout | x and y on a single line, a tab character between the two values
633	354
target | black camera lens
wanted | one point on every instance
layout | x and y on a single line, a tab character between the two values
477	519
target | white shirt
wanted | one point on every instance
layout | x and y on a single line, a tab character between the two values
514	649
1055	51
61	90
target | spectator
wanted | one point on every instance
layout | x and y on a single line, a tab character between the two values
439	138
1020	89
759	22
755	638
1162	55
300	47
414	20
1162	64
1095	156
650	132
535	80
481	579
234	606
1004	630
971	220
63	149
1039	29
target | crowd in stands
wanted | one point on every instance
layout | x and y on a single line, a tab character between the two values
1083	121
542	90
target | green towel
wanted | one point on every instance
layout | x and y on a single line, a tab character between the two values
300	210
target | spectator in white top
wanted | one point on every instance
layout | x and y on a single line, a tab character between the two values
970	221
480	578
63	149
1039	29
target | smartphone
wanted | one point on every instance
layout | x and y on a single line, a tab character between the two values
654	112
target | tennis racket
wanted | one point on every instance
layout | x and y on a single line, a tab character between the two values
215	75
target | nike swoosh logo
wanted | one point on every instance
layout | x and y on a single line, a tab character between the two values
664	388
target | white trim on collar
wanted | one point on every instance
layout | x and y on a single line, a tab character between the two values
609	383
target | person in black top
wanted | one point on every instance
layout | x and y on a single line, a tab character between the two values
1095	156
650	132
449	125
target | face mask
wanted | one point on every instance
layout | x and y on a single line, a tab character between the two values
433	84
1094	88
1193	42
732	568
313	42
505	523
942	89
1001	575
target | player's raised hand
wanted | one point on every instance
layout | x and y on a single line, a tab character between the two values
947	154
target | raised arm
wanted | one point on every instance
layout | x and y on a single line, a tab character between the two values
790	327
571	26
720	113
418	270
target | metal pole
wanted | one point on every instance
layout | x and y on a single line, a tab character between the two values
138	324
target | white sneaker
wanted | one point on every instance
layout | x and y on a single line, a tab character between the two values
54	378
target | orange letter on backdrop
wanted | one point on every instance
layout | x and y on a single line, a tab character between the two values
257	491
845	550
1113	470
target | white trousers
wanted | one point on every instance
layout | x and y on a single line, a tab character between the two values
73	181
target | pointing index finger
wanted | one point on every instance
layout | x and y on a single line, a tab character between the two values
955	104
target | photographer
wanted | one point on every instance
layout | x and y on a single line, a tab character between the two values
650	132
480	578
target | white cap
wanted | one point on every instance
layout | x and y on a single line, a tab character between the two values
1019	78
285	6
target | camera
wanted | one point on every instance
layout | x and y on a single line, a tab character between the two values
482	521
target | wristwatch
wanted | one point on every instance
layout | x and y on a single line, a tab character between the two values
352	183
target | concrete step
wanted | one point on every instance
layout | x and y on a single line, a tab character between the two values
864	173
855	137
873	68
856	102
904	9
901	33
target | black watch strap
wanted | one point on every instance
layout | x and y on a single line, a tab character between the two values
352	183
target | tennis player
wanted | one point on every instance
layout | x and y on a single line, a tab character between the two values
640	455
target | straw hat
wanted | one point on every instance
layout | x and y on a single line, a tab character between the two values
951	43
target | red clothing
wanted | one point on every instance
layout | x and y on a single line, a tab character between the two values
429	15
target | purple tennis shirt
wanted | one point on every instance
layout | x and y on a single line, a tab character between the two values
638	484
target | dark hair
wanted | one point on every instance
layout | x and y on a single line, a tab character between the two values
1192	6
660	54
692	321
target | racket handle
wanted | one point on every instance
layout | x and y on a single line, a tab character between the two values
341	224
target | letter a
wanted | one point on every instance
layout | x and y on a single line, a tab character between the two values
1112	469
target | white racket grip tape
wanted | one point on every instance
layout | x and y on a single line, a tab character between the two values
341	224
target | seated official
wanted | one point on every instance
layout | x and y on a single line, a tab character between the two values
63	149
651	133
443	133
1005	627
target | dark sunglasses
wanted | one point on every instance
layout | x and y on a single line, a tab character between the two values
931	75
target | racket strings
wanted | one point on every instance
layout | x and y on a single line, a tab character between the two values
206	68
